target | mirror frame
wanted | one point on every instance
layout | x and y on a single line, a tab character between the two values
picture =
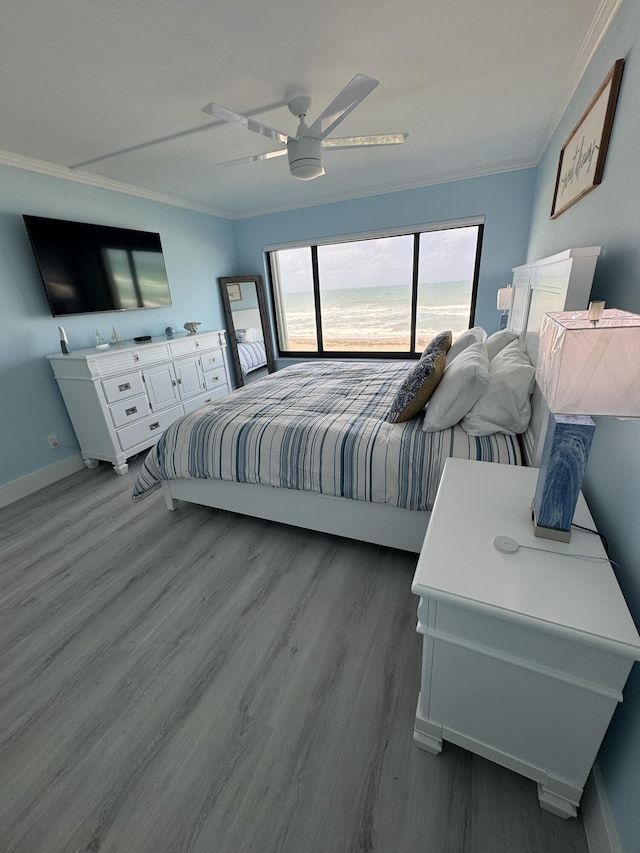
228	283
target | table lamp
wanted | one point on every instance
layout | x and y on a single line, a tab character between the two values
588	364
504	299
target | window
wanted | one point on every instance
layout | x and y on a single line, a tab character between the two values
381	296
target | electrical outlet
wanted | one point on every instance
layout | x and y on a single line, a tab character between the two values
53	441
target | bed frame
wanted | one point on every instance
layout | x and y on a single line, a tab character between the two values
561	282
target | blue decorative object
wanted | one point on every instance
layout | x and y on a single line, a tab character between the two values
170	332
564	459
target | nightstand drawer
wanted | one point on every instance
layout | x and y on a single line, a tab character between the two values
527	647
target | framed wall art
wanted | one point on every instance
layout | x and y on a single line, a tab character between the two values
583	154
234	292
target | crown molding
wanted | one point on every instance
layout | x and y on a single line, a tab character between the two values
396	186
53	170
44	167
599	25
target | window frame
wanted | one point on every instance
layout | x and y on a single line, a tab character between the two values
415	232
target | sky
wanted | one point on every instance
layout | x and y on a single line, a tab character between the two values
447	255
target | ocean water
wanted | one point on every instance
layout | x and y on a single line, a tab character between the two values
378	317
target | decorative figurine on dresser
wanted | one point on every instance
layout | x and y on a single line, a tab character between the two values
120	400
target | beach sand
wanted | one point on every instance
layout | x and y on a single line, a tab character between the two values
308	344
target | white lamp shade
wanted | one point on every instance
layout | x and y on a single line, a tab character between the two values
587	368
505	295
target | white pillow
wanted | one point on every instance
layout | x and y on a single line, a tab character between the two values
471	336
461	385
252	335
504	405
496	342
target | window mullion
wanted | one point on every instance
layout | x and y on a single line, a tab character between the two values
476	276
414	292
316	296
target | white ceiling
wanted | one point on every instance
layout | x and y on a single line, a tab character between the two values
478	86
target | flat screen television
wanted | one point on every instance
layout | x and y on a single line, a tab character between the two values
89	268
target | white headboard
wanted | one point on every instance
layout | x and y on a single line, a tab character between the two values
560	282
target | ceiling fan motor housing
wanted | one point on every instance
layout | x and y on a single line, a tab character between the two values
305	162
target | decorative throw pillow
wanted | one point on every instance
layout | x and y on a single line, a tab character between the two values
504	405
472	336
419	384
442	341
241	335
496	342
462	383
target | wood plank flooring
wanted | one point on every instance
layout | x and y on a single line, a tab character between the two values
198	681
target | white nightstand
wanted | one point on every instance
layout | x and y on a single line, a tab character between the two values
525	655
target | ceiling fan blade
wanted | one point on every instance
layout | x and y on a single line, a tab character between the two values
246	122
254	158
352	95
365	141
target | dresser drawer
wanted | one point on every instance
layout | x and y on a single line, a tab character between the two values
147	429
221	390
129	358
213	360
215	379
122	387
189	345
128	411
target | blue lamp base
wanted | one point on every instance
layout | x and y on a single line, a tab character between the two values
564	459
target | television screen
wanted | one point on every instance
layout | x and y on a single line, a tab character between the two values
87	268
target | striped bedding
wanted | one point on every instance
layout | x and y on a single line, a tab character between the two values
252	356
318	427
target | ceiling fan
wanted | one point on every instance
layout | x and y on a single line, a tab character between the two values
304	150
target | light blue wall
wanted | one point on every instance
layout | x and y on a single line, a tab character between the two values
609	216
504	200
198	248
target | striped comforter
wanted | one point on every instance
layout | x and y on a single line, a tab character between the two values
318	427
251	356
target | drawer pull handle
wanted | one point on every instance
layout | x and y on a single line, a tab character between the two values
173	382
197	345
136	357
124	387
155	425
179	381
131	411
215	378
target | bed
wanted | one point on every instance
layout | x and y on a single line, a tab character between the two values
252	353
310	445
252	356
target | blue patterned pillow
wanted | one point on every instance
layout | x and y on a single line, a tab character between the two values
441	341
418	386
241	335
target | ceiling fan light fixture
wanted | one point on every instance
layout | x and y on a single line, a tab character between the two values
305	162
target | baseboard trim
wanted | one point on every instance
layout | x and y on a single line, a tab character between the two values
13	491
597	818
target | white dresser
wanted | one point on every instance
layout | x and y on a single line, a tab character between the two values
525	654
121	399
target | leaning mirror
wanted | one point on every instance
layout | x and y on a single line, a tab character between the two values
249	332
